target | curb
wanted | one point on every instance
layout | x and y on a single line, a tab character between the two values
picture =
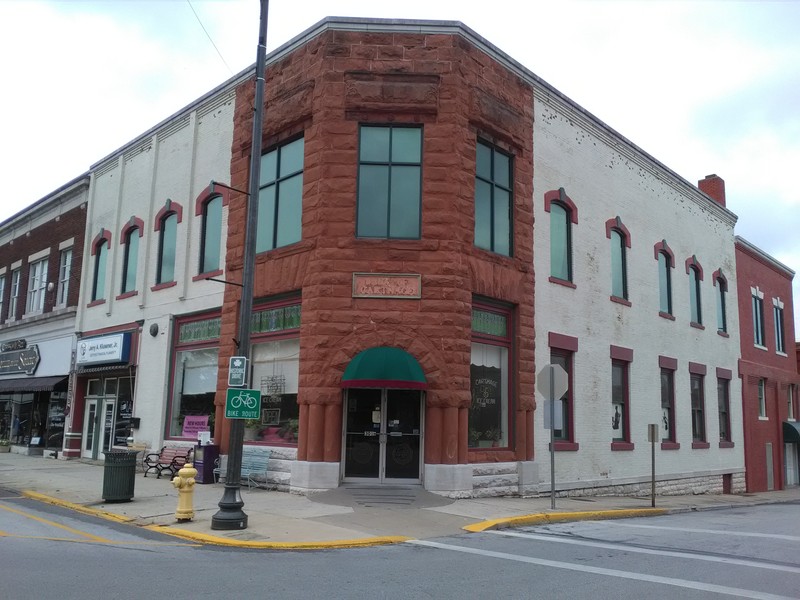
77	507
561	517
333	544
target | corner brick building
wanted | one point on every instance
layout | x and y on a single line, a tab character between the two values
418	297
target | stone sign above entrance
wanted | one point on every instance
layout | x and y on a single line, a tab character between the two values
386	285
20	361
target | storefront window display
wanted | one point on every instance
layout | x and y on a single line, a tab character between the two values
276	369
194	380
489	368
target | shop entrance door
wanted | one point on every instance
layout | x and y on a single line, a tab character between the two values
98	427
383	435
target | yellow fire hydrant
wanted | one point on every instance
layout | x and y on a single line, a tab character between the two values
184	482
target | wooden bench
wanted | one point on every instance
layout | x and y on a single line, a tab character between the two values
254	466
170	458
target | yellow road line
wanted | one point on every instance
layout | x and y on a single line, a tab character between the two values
77	507
54	524
109	542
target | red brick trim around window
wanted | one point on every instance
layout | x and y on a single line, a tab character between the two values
700	445
127	295
563	282
666	362
619	300
163	286
718	275
204	276
207	194
697	368
133	222
670	446
566	447
104	234
662	246
560	195
664	315
616	223
620	353
692	262
560	341
616	446
724	373
169	207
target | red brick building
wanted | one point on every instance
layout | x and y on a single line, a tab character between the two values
393	314
768	369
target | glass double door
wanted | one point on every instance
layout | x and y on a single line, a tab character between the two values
383	435
98	427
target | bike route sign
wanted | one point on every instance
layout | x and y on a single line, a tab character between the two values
243	404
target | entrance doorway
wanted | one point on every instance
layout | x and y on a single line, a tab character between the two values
98	421
383	435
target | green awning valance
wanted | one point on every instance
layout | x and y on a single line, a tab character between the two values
384	366
791	432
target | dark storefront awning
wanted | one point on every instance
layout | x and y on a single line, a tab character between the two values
384	366
33	384
791	432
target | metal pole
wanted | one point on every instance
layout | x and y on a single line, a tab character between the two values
552	440
653	470
230	514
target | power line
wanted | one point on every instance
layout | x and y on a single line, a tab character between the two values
189	2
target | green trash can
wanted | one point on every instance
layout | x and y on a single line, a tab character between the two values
119	475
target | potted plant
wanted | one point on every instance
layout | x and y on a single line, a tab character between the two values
289	430
251	428
5	445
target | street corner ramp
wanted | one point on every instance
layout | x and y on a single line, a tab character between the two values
563	517
380	496
7	493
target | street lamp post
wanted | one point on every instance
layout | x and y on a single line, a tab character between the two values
230	514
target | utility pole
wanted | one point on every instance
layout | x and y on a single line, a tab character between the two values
230	514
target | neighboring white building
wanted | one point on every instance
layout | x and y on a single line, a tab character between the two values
635	296
148	319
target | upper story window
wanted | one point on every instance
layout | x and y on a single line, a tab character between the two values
790	412
389	182
64	275
722	289
762	399
563	214
695	272
666	262
493	200
2	295
167	241
280	200
100	252
211	238
37	286
758	317
14	300
620	240
130	259
777	314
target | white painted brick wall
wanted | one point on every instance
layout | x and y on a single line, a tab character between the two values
605	179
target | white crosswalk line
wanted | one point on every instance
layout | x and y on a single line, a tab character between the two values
773	536
682	583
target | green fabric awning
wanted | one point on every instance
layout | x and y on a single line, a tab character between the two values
384	367
791	432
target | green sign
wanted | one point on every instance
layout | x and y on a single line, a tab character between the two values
243	404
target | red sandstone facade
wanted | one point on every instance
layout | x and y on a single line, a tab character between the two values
324	88
770	381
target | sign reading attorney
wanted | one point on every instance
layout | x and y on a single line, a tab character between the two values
104	349
15	362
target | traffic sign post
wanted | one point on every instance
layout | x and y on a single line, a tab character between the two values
237	371
553	383
243	404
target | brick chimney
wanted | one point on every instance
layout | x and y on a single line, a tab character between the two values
714	186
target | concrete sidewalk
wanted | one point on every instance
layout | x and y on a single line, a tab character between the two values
344	517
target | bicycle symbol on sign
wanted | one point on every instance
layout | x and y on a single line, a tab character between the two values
243	400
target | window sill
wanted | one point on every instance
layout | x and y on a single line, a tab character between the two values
670	446
760	347
619	300
207	274
779	353
96	303
761	418
163	286
697	325
700	445
563	282
130	294
723	333
566	447
616	446
664	315
726	444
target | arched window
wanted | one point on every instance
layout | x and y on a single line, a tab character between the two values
722	289
211	235
560	242
694	295
664	283
100	252
619	267
130	260
166	248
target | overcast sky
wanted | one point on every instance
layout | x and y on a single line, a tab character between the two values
705	87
